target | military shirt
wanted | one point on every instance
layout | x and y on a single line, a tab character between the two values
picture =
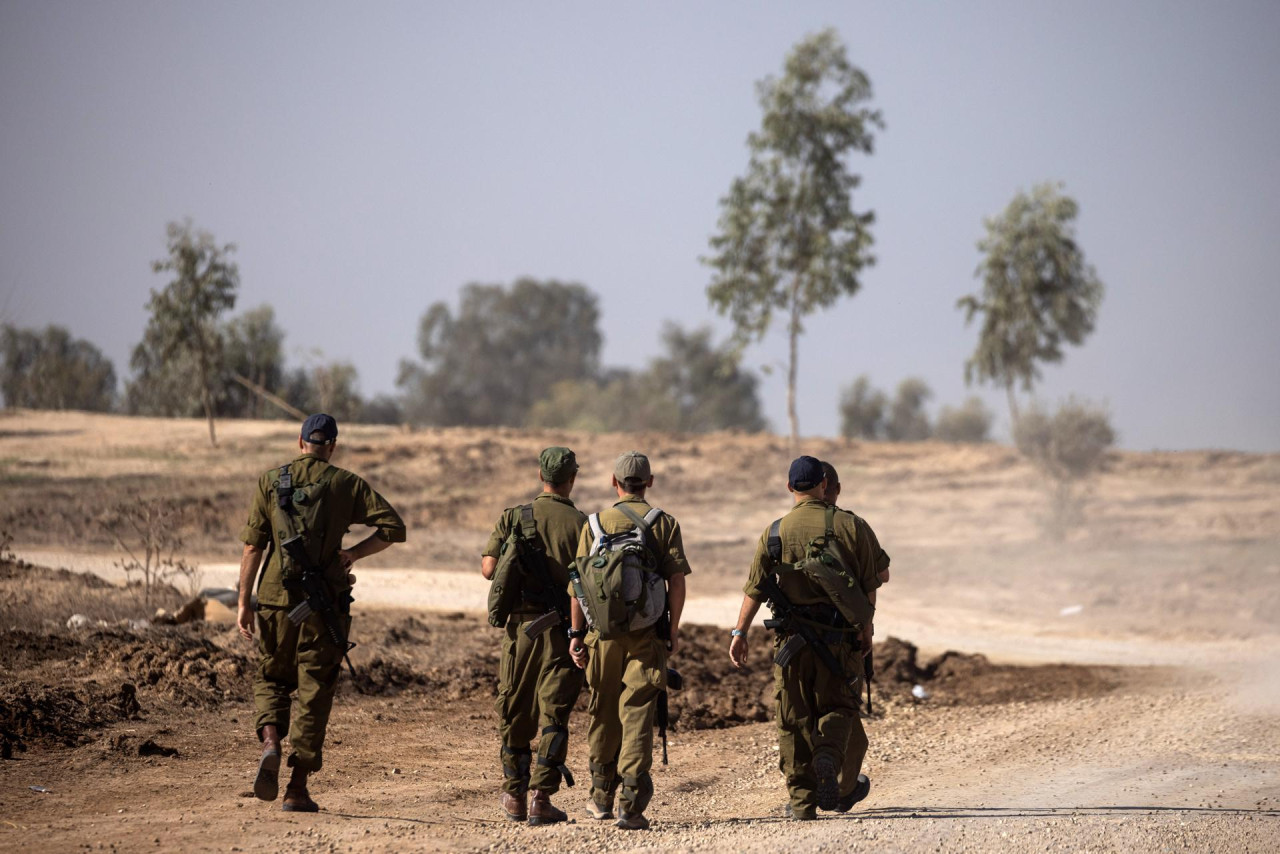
665	532
559	524
348	500
806	521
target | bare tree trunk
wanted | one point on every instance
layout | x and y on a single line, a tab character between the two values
1013	407
263	394
207	399
793	331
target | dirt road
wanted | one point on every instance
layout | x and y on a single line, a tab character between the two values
1151	723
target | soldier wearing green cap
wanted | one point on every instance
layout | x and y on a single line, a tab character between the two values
537	681
317	501
628	673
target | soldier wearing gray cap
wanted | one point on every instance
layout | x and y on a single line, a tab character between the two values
627	672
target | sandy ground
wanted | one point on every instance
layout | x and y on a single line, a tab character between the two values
1174	578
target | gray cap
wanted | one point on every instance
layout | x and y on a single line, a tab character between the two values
633	466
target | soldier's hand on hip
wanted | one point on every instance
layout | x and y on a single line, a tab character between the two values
883	576
738	651
578	652
244	620
346	558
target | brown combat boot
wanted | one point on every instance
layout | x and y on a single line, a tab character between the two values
296	797
541	810
266	786
514	806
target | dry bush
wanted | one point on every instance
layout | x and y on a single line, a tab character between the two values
1068	446
148	532
969	423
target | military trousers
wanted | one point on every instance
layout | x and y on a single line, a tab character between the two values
626	675
303	659
537	687
817	712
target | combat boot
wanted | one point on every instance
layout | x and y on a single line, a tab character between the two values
266	786
514	806
600	808
860	790
541	810
296	796
827	769
632	820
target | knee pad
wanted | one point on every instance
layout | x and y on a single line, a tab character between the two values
552	751
637	791
604	776
516	762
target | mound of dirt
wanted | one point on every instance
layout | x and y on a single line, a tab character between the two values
177	662
20	649
31	712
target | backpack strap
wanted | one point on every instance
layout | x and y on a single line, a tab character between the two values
642	522
644	525
775	541
831	522
528	529
284	488
597	532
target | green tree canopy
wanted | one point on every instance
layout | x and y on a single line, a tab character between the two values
184	325
789	239
51	370
254	350
907	421
862	410
695	387
505	348
1038	293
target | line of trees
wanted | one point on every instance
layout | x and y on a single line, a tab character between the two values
868	413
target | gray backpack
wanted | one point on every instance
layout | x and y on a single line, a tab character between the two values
617	583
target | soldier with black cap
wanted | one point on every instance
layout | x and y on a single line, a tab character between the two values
817	706
537	681
312	499
628	672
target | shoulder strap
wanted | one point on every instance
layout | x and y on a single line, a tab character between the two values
831	521
528	529
597	532
284	487
775	541
642	522
652	516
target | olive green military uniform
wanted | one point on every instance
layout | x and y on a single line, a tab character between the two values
868	550
537	680
626	675
816	710
303	658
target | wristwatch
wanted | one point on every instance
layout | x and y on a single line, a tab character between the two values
737	633
576	633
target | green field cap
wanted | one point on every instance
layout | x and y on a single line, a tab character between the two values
557	464
632	465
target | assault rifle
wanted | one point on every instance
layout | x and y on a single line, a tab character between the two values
674	683
802	634
316	599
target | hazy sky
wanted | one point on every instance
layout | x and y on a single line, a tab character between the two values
369	159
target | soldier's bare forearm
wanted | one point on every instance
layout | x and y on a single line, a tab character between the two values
675	599
249	561
368	547
747	613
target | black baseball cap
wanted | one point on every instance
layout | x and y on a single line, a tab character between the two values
806	473
322	424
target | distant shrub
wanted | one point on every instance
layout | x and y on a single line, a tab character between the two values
862	410
1068	446
908	422
970	422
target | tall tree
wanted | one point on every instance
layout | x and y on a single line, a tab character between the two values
51	370
1038	292
254	350
503	349
789	239
185	313
706	382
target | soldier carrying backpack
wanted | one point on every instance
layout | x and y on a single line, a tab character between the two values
526	561
629	574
